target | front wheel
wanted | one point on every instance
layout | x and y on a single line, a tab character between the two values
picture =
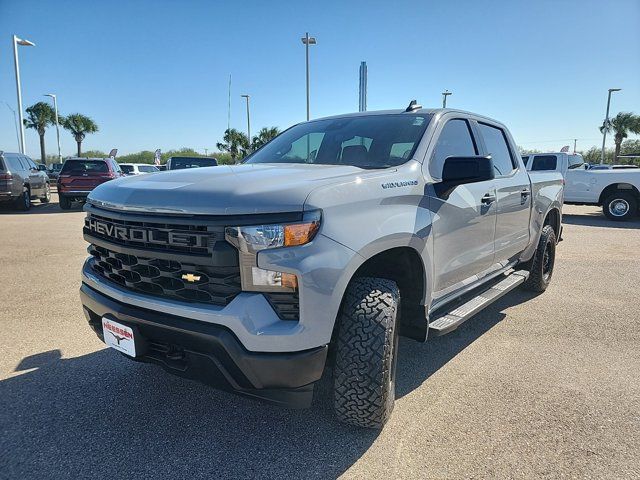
620	206
543	261
366	352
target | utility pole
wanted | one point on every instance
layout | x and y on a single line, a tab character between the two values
15	121
307	40
248	120
362	101
229	106
25	43
445	94
606	123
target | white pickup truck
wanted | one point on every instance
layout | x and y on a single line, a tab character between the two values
617	191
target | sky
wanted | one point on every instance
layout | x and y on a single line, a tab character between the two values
154	74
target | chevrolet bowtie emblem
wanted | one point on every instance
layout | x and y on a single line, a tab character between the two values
190	277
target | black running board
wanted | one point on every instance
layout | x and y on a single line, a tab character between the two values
449	321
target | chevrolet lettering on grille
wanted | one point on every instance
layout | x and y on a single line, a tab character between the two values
137	234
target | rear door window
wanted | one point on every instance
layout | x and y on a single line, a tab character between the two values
496	144
455	140
544	162
126	168
80	167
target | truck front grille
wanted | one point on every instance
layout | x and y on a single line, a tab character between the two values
167	278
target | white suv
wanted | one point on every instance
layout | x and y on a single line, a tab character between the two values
138	168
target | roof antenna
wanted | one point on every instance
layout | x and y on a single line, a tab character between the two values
413	105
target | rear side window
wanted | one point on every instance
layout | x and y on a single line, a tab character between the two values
455	140
496	143
126	168
79	167
525	159
544	162
12	162
575	161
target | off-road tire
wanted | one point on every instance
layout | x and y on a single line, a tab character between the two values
366	352
631	204
65	203
46	198
541	266
23	202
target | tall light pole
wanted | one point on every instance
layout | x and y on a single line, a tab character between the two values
606	123
55	107
15	121
445	94
307	40
25	43
248	119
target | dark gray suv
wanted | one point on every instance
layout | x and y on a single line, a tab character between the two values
21	181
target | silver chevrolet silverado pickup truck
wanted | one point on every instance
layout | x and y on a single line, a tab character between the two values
319	251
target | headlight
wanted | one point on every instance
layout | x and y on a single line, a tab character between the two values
250	240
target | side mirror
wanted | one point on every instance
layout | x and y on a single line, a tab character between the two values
462	170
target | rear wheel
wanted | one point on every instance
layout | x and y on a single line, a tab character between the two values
543	261
46	198
620	206
366	352
23	202
65	203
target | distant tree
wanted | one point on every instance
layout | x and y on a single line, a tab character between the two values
39	116
235	143
264	136
95	154
79	125
621	125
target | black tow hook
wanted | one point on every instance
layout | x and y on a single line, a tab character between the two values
175	354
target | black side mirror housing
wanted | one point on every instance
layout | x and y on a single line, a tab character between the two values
462	170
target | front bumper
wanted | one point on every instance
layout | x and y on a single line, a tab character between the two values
211	353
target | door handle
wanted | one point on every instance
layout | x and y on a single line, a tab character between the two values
488	198
525	192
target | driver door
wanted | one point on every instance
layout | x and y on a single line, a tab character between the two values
464	222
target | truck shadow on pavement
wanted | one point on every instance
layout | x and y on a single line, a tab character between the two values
598	220
103	416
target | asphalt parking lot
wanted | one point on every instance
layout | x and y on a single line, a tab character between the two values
534	386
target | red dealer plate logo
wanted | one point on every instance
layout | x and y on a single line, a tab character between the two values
118	336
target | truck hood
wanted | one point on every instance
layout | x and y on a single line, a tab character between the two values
221	190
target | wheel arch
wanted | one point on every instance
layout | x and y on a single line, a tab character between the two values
619	186
405	266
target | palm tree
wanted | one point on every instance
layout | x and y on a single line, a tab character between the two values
264	136
39	117
622	124
79	125
234	142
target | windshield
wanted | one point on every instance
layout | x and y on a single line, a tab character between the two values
178	163
371	141
79	167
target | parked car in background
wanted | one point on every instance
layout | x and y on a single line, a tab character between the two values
79	176
138	168
162	168
339	235
21	181
616	190
180	163
53	171
612	167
